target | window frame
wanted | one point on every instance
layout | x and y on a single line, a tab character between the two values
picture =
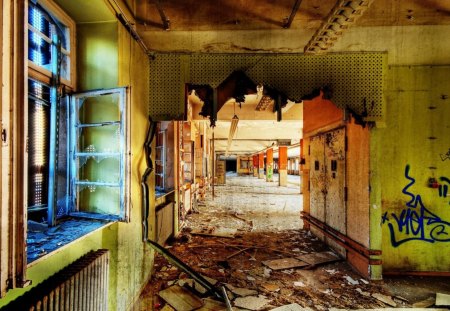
45	76
41	74
125	159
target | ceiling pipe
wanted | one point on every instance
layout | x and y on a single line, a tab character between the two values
129	26
288	21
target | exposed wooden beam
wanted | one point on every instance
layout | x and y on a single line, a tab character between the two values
289	20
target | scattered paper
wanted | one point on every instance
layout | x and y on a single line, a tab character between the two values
350	280
299	284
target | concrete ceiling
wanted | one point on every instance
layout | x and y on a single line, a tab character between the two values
257	26
240	15
253	136
256	130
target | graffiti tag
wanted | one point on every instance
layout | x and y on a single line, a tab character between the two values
415	222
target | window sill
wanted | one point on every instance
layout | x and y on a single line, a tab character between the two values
44	242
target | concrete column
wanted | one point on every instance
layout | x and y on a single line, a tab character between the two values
238	165
282	166
269	164
261	165
255	165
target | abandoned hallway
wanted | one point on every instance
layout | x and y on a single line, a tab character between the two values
263	205
249	238
231	134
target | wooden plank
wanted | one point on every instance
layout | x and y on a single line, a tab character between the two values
180	299
319	258
284	263
442	299
212	305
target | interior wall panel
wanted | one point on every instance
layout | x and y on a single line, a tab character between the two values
356	79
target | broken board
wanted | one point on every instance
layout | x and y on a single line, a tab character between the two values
251	302
180	298
442	299
292	307
284	263
212	305
319	258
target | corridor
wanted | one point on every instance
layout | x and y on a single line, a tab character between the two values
238	238
266	205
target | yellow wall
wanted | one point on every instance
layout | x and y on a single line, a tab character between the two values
97	56
408	151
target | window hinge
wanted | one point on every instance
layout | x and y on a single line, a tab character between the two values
4	136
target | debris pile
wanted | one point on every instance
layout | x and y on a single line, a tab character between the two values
289	270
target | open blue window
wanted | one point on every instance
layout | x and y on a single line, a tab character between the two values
98	157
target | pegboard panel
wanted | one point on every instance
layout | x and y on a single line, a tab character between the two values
166	87
356	79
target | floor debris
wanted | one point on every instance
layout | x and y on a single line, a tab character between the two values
292	307
284	263
180	298
442	300
238	262
425	303
271	287
319	258
242	292
350	280
212	305
252	302
385	299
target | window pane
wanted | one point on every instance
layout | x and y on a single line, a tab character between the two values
37	19
100	169
92	199
39	50
38	143
100	109
65	67
100	139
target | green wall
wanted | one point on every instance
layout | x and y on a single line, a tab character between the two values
108	57
410	219
97	55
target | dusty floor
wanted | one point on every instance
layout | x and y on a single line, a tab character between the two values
264	220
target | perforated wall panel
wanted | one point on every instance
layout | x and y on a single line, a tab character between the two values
356	79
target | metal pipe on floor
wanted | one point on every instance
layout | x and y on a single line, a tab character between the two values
213	163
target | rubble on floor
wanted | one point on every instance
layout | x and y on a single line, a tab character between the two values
252	285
